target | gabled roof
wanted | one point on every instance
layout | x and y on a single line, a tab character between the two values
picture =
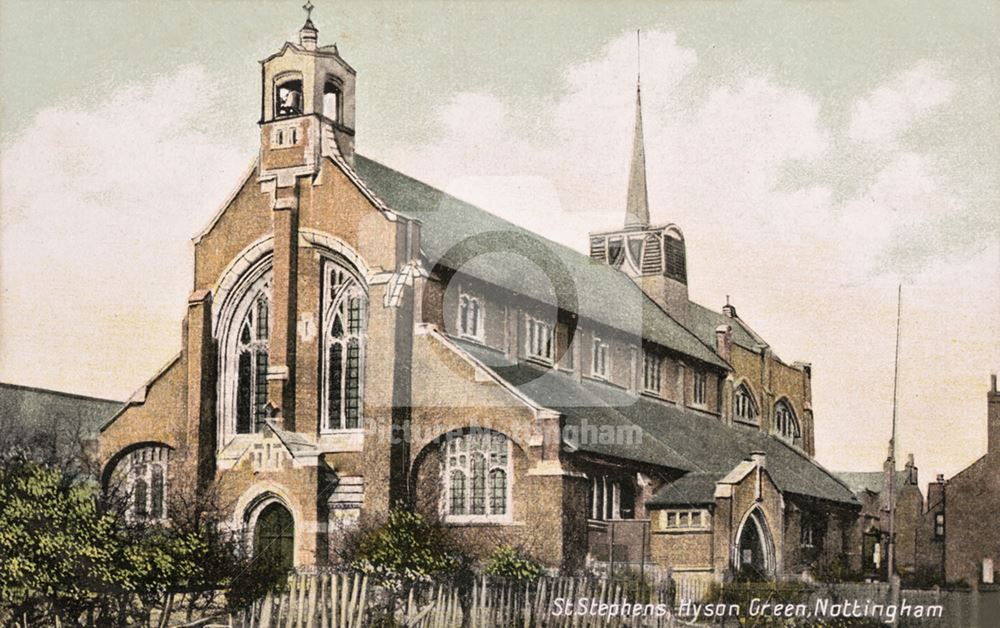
672	436
871	481
463	237
297	444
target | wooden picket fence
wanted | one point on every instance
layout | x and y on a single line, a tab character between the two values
326	600
344	600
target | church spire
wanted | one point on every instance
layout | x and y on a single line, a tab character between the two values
637	203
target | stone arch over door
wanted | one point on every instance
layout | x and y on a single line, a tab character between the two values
271	524
753	549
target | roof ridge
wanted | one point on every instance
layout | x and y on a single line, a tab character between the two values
610	272
61	393
470	204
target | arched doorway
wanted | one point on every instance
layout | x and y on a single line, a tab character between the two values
754	549
274	536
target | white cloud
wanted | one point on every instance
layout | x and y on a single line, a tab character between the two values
816	275
728	152
100	200
894	107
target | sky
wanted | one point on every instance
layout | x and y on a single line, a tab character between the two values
815	154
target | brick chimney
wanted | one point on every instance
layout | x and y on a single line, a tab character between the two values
911	471
993	418
935	493
724	341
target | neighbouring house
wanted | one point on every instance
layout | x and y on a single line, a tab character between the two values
871	489
57	426
959	537
356	339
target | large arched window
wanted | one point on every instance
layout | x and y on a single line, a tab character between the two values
243	357
138	482
477	471
785	424
744	405
344	315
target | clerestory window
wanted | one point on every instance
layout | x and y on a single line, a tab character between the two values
538	339
470	317
744	406
651	379
599	359
785	424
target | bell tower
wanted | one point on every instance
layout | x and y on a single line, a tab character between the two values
652	255
307	106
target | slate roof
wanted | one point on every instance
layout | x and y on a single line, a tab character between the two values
296	443
671	436
693	489
872	481
463	237
55	418
703	321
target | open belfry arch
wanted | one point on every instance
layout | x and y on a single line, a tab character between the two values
357	340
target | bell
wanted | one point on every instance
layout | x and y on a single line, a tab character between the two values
291	102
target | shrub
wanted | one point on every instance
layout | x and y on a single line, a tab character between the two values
405	551
507	562
64	555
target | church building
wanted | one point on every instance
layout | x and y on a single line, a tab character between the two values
356	340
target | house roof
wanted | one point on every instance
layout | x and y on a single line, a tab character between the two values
464	238
57	418
669	435
872	481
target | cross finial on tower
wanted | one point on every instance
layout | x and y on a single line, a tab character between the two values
308	35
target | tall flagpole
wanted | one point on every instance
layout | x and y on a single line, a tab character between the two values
891	558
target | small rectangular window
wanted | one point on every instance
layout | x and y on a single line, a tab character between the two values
939	525
684	519
599	366
470	317
539	339
651	365
806	534
285	136
700	388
